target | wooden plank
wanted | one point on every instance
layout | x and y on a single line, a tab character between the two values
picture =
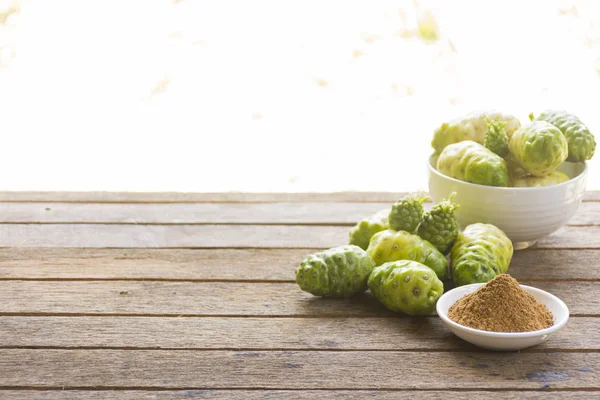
342	213
208	236
219	298
239	264
297	369
196	213
288	394
231	197
170	236
178	197
581	333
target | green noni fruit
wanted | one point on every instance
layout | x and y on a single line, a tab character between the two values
580	140
471	162
515	171
392	245
554	178
480	252
361	233
406	286
439	226
337	272
473	126
539	148
407	213
496	139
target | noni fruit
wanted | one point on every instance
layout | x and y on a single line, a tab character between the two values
439	226
392	245
407	213
554	178
473	126
496	140
471	162
406	286
581	141
539	148
480	252
515	171
338	272
361	233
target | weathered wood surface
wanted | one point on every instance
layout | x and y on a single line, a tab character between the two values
221	298
297	369
332	213
240	264
217	394
209	236
229	197
195	298
335	334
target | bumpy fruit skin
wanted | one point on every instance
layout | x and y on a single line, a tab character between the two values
473	126
337	272
362	232
439	226
407	213
406	286
515	171
392	245
471	162
496	139
580	140
535	181
539	148
480	252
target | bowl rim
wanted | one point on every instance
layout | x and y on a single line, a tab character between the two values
506	335
507	189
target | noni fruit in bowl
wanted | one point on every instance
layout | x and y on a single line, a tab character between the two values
580	140
525	214
475	127
554	178
406	286
471	162
539	148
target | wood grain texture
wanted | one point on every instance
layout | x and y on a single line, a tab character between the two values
239	264
180	197
264	333
220	298
289	395
298	370
232	197
208	236
341	213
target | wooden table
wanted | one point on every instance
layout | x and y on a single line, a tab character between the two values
181	296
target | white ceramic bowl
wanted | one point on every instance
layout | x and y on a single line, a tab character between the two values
502	340
524	214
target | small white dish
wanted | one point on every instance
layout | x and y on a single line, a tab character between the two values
524	214
504	341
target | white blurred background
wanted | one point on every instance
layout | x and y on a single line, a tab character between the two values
199	95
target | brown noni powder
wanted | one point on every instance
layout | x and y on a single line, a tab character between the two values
501	305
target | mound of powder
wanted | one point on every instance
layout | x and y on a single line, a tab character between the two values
501	306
